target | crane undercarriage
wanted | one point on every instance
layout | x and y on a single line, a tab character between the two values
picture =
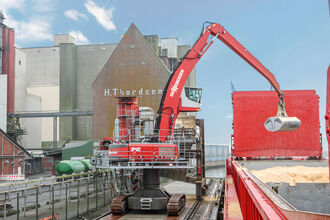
143	191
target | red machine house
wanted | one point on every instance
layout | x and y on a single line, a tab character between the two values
143	152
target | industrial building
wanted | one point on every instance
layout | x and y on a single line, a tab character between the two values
74	78
12	155
12	159
60	79
133	69
7	56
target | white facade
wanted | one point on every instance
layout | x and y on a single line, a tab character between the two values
32	125
3	102
42	66
49	102
171	44
36	90
20	76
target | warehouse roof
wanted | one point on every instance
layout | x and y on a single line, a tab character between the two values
78	149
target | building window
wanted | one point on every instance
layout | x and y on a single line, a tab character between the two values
122	63
132	63
91	49
102	48
132	46
19	62
143	62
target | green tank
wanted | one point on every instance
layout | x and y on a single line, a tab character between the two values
87	164
70	166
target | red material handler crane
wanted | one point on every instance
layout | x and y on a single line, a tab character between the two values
172	103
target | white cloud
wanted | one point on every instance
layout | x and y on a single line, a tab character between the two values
43	5
31	30
75	15
9	4
37	27
79	37
103	16
229	116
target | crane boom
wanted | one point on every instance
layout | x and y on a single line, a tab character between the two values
170	102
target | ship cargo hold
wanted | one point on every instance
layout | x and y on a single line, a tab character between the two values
278	175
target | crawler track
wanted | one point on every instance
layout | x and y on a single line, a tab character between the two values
205	208
119	205
176	204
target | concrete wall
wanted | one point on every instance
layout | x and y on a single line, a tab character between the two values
71	69
49	102
32	125
36	89
20	80
68	82
26	102
191	81
90	60
76	67
3	102
63	38
42	65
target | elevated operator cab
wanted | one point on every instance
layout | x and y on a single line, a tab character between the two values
191	99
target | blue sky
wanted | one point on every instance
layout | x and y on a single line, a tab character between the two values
291	38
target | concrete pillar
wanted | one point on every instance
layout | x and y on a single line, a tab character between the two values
68	89
54	132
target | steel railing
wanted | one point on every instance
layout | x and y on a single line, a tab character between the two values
65	197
